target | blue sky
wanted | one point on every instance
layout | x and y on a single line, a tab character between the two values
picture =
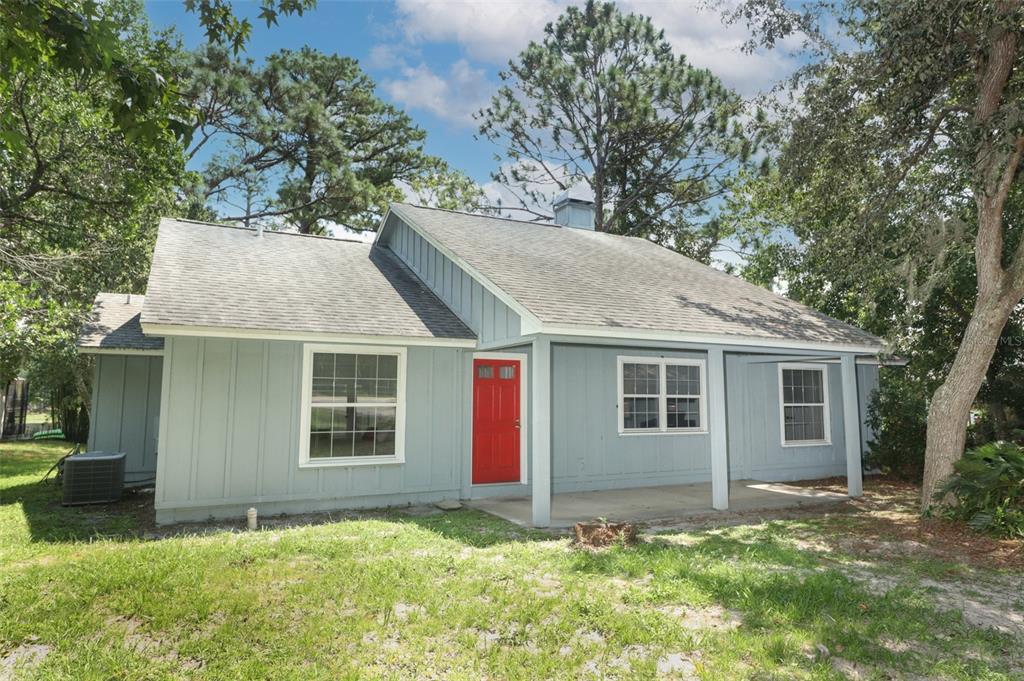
439	59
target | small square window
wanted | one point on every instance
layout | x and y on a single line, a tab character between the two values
485	371
507	372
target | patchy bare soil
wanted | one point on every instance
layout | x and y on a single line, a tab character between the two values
886	521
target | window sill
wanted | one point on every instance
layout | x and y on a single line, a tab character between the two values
808	443
634	433
342	463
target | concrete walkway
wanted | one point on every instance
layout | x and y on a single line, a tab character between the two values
655	503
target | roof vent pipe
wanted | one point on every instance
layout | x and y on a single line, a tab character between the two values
574	208
259	229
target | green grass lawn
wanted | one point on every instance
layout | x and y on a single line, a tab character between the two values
37	417
462	595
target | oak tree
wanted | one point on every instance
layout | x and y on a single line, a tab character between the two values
911	115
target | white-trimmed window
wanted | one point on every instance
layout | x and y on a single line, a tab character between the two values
803	400
661	395
353	405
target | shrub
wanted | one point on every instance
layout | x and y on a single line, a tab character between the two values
988	486
898	415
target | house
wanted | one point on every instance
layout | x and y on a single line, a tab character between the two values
462	356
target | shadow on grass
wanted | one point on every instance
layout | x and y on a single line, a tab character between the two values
469	527
49	521
780	590
22	467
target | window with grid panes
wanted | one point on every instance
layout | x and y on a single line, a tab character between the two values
353	403
804	405
661	395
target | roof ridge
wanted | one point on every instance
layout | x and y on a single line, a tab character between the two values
119	293
223	225
539	224
478	215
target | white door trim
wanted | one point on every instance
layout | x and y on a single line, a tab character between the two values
524	412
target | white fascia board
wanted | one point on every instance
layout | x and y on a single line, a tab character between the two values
707	339
380	227
529	321
151	329
822	359
119	351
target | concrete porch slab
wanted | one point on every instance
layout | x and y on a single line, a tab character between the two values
655	503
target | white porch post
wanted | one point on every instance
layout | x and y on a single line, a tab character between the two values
717	430
540	429
851	425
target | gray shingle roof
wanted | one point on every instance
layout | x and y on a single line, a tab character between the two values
219	276
114	325
578	277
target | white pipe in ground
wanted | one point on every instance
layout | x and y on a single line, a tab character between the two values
250	518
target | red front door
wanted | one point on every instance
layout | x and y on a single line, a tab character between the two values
495	420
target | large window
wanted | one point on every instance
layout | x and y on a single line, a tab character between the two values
661	395
804	404
353	405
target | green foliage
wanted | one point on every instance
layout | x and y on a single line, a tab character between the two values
223	27
81	39
897	199
898	414
79	209
988	486
465	595
308	143
604	101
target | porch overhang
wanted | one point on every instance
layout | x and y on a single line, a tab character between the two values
848	437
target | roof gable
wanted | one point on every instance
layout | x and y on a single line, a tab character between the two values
573	278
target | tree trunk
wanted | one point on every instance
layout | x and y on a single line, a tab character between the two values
997	412
950	408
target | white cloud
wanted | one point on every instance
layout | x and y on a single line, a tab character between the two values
699	33
454	97
495	32
489	31
339	231
386	56
512	199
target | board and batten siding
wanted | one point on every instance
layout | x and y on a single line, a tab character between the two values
755	437
867	385
588	451
125	411
231	434
477	307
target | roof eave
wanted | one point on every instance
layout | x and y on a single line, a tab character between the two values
94	350
164	329
626	333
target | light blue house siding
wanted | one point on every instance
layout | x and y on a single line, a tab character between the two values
231	434
867	385
588	451
125	411
477	307
231	412
753	413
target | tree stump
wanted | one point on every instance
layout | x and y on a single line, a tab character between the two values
601	533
